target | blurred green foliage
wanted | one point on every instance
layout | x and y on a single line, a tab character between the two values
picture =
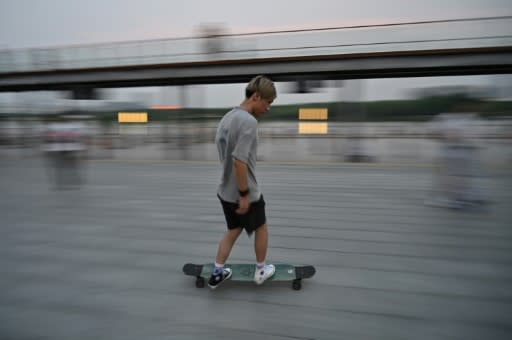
421	109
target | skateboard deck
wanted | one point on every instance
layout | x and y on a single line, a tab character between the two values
245	272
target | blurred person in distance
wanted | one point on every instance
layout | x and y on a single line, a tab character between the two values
64	145
458	162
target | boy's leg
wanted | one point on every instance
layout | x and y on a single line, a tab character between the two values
226	244
263	271
220	274
261	243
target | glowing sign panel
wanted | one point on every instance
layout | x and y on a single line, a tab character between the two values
313	114
132	117
313	128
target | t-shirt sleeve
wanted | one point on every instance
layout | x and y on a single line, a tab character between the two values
246	137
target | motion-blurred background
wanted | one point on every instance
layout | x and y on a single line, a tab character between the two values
385	161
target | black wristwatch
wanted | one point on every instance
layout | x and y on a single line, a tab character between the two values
243	193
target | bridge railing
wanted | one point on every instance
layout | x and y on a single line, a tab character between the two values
425	35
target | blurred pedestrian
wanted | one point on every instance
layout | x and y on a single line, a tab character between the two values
459	165
64	145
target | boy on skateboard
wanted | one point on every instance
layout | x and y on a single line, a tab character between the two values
238	192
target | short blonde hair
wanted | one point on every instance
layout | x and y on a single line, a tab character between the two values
264	86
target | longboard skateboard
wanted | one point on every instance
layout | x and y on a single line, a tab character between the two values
245	272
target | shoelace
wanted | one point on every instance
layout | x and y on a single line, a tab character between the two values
264	270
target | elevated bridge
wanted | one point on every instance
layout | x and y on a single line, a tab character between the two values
430	48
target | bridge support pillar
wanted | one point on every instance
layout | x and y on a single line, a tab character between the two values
83	92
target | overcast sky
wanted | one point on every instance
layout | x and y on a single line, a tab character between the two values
43	23
30	23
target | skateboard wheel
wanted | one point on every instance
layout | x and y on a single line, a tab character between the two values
200	282
296	284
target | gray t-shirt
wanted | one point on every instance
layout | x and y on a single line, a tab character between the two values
237	138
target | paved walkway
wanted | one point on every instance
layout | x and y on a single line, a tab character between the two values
104	261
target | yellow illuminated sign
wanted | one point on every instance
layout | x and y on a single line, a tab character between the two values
132	117
313	114
313	128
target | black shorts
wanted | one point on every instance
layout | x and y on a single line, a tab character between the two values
250	221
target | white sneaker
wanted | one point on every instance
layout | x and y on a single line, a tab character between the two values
260	275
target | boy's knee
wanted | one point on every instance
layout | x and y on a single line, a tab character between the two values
234	233
261	229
